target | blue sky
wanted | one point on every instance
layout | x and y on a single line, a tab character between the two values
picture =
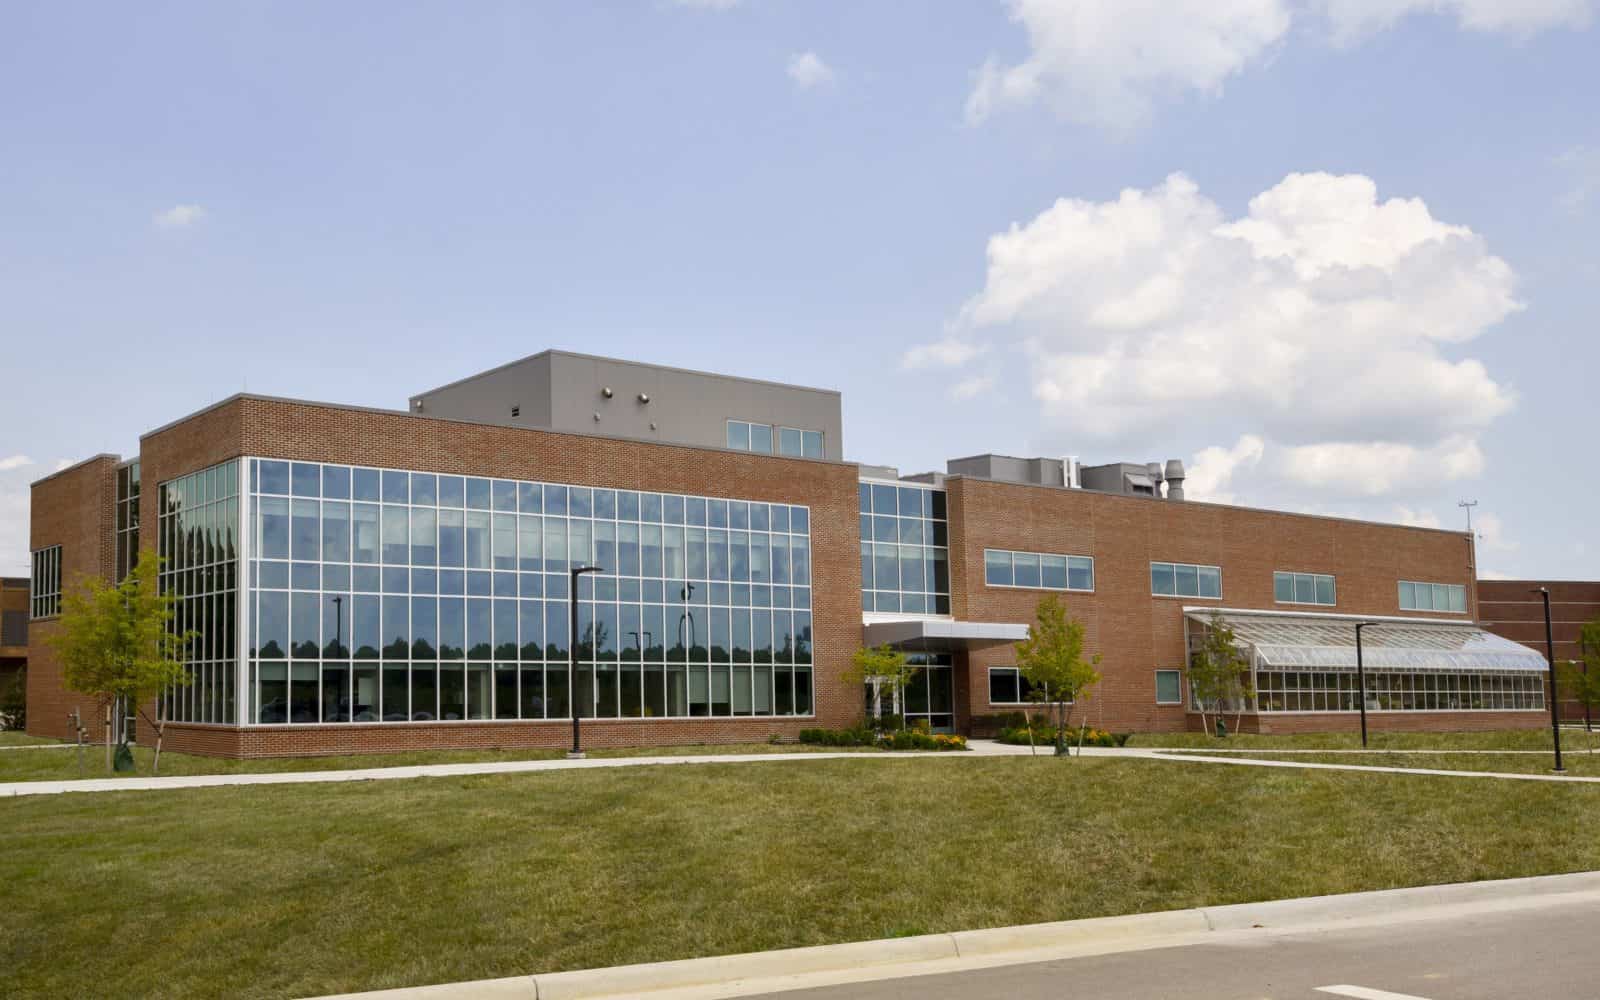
1337	255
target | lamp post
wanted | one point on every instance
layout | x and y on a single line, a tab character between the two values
1361	681
576	753
1555	696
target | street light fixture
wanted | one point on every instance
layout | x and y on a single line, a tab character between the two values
1550	658
576	753
1361	681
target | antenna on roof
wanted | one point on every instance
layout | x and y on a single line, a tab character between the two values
1468	505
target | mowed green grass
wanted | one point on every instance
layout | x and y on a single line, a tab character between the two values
1505	739
1577	761
13	738
64	765
311	889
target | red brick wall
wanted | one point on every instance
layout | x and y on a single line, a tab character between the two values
75	509
1509	608
1137	633
313	432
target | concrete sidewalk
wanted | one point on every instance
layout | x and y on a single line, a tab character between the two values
156	783
722	977
980	749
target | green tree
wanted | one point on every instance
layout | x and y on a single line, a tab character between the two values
1219	673
117	644
1580	679
1052	660
887	671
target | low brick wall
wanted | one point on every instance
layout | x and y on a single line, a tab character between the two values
293	741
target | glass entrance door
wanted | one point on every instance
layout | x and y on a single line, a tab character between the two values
931	694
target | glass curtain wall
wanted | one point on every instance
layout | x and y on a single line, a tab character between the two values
196	537
905	554
127	519
383	595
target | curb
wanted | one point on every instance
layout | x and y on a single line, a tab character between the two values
758	972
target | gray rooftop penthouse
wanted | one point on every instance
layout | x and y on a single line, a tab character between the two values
582	394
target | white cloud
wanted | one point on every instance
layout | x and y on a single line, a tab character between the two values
179	216
947	353
808	70
1320	320
1352	20
11	462
1416	518
1212	470
63	463
967	388
1377	468
1494	574
1106	62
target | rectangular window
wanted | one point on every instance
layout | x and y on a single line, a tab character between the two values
911	577
44	585
1450	597
1007	686
1037	571
1169	687
1303	588
1185	580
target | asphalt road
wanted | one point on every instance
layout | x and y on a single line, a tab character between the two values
1552	953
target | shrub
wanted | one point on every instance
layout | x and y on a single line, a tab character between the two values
1018	735
857	736
902	739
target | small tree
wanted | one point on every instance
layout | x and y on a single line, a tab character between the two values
1052	660
1584	686
116	644
1219	673
887	670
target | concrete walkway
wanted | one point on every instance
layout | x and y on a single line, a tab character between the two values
148	784
979	749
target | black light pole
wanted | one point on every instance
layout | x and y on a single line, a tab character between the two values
576	753
1361	681
1555	697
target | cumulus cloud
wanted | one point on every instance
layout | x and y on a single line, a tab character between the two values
1212	470
1322	316
11	462
946	353
179	216
807	70
1106	62
1492	534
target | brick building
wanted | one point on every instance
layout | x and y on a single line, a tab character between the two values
13	630
365	580
1514	610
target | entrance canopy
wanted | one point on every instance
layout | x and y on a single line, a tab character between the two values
941	635
1411	645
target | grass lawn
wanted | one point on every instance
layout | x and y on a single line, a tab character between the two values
310	889
14	738
62	765
1575	759
1507	739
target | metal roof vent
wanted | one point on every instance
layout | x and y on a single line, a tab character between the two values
1175	478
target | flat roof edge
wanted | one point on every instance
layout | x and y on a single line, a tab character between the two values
382	411
553	352
1209	503
75	466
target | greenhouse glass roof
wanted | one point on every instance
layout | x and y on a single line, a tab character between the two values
1328	642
